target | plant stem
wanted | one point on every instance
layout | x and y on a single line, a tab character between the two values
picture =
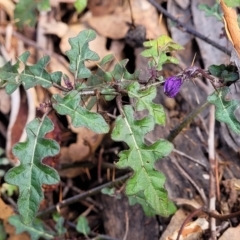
60	87
186	121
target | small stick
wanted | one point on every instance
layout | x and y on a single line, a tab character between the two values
212	179
127	226
185	174
186	221
84	195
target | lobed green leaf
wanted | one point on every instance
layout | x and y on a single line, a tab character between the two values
30	76
36	74
227	73
157	50
9	76
140	199
81	117
163	43
101	75
144	100
31	174
225	109
80	52
120	73
82	225
141	158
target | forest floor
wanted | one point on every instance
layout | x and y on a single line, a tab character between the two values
202	172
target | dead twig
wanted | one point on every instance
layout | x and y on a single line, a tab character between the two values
212	172
99	167
216	215
127	226
84	195
190	158
187	220
185	174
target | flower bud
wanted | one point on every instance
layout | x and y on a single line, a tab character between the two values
172	86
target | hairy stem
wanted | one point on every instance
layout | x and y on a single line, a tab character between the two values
186	121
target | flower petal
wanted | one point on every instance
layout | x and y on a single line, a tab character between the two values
172	86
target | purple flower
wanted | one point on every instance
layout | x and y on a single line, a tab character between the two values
172	86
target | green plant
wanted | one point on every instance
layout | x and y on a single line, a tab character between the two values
82	225
146	185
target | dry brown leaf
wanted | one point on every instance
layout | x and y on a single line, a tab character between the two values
175	223
192	230
231	26
115	25
8	6
6	210
212	28
86	144
232	187
72	172
57	28
64	31
111	26
192	203
100	8
231	233
144	14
